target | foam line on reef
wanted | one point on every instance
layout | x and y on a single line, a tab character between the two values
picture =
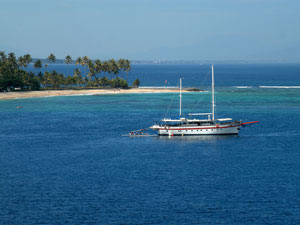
243	86
279	86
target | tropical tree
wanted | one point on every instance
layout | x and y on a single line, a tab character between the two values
86	80
91	68
84	64
68	59
105	67
11	76
98	69
104	82
136	83
46	79
12	59
27	59
77	76
52	58
2	56
85	60
46	66
121	65
78	61
38	64
117	82
21	61
41	78
113	67
127	68
70	81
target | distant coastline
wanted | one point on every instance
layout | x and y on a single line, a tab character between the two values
53	93
188	62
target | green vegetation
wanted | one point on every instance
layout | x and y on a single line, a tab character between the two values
136	83
14	78
13	75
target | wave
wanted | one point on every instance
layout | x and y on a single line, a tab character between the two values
279	86
243	86
162	87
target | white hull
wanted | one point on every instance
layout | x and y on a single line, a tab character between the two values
195	126
196	130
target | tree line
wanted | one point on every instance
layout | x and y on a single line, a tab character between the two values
13	73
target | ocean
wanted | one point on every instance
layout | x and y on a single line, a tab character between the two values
64	159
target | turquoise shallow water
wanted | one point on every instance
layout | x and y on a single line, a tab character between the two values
64	161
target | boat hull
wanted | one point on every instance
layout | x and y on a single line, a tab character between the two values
211	130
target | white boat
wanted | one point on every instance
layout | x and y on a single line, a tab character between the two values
197	126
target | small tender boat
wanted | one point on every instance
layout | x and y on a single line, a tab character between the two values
199	126
139	133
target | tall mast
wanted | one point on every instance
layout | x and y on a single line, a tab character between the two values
213	92
180	82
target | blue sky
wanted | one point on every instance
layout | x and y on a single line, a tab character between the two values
153	29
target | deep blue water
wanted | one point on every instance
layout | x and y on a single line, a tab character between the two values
64	161
199	75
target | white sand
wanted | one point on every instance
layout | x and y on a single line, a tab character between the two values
51	93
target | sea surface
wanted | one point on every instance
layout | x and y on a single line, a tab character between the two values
63	160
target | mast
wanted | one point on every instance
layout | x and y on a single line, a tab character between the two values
180	83
213	92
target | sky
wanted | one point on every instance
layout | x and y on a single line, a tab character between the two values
153	29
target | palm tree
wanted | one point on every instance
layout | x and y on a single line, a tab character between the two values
68	59
2	56
76	72
52	58
12	58
21	61
98	69
85	60
113	67
122	65
47	79
78	61
91	68
84	63
77	76
136	83
105	67
27	59
38	64
127	68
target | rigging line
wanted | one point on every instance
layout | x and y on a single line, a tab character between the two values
202	96
170	103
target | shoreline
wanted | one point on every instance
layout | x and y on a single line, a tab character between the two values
54	93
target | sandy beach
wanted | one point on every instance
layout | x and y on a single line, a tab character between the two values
51	93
